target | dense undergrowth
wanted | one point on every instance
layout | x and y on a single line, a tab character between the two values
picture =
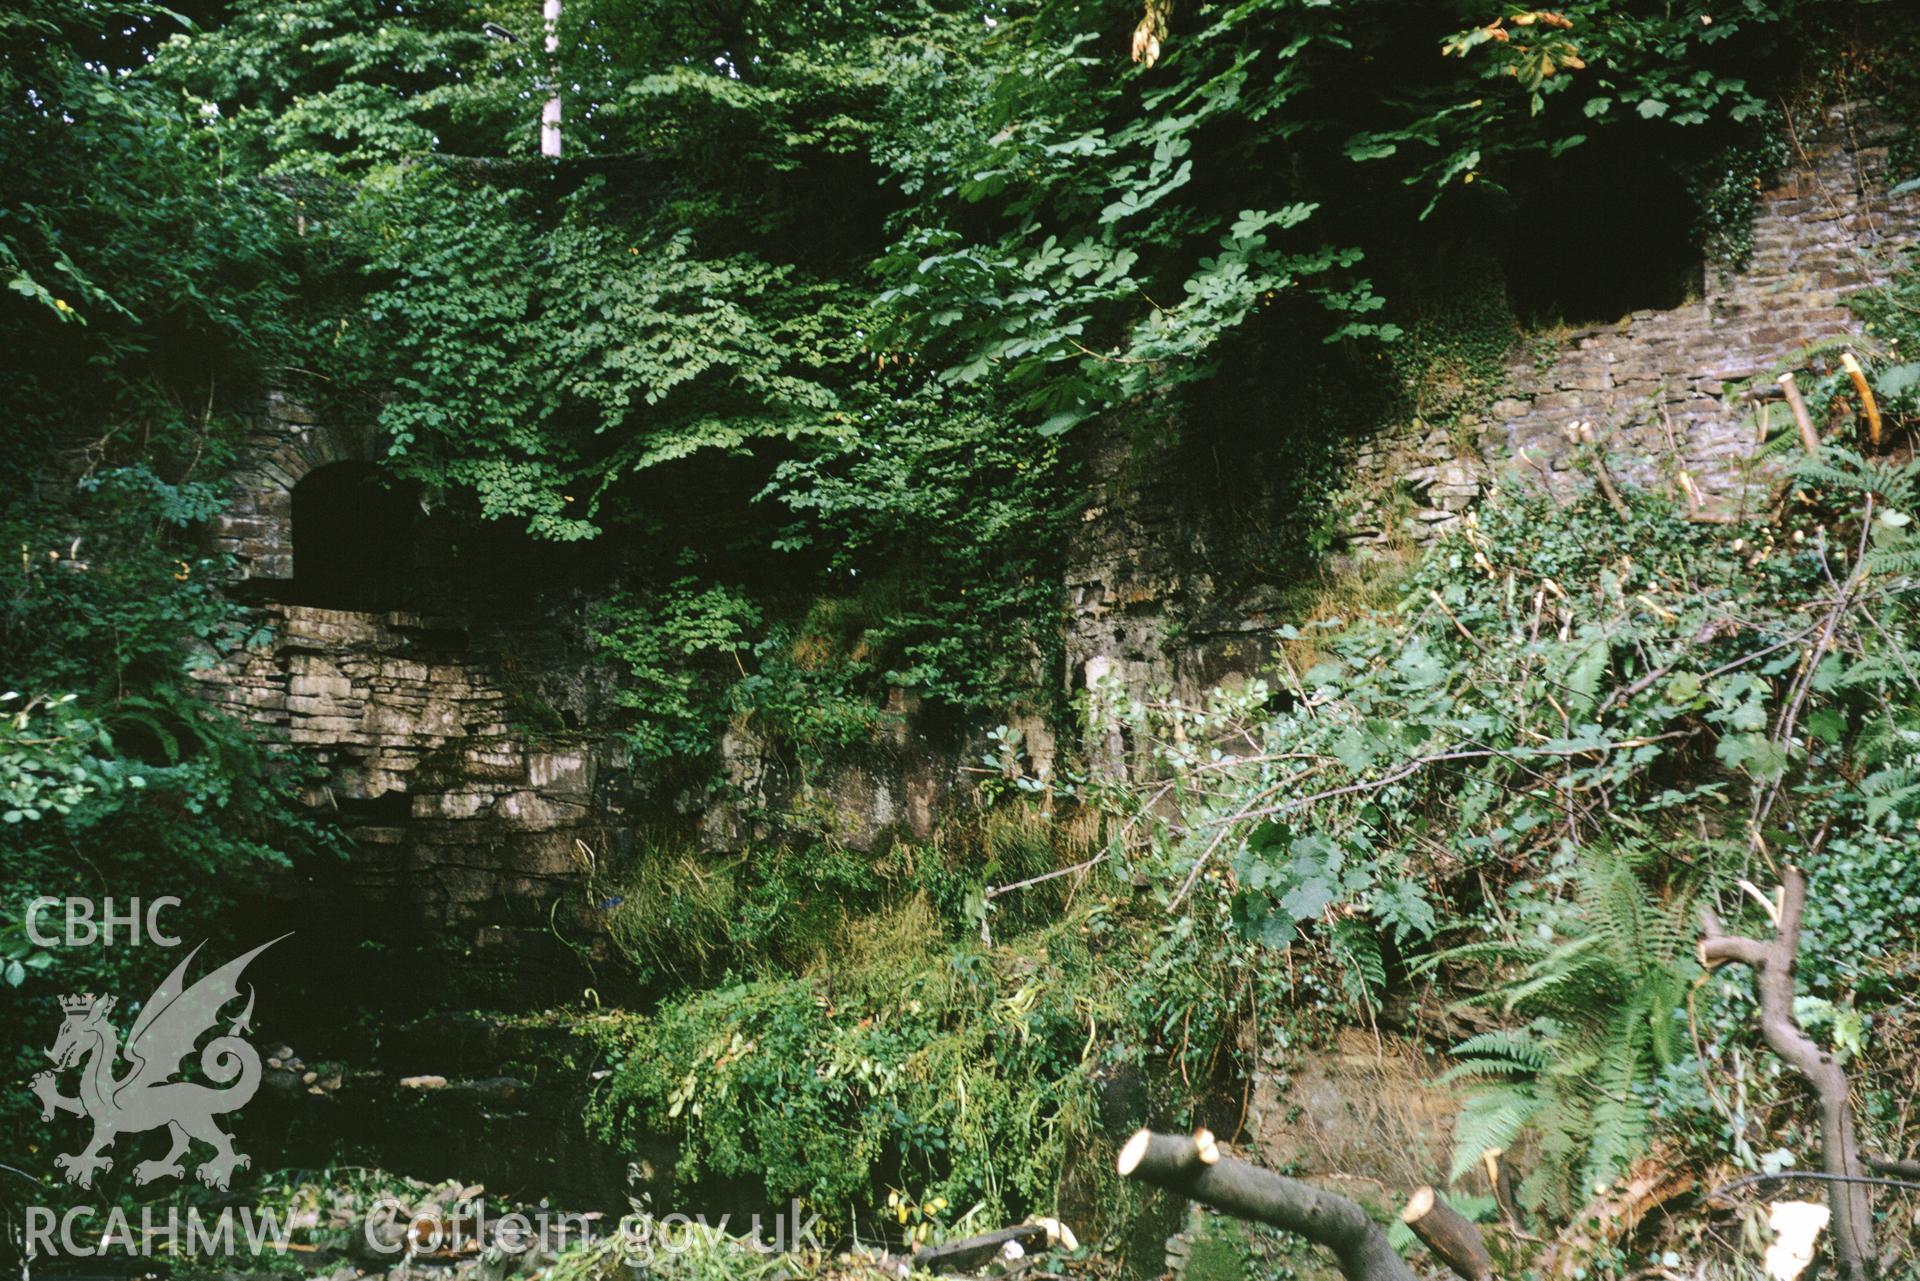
1504	777
1494	781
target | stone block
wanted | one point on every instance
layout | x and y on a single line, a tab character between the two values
453	805
318	686
565	774
533	811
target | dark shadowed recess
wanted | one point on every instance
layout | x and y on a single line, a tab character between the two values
353	537
1599	233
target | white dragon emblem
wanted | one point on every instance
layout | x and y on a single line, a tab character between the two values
147	1097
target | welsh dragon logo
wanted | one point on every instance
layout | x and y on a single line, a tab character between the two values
147	1096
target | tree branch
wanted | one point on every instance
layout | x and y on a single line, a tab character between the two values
1445	1231
1772	963
1179	1164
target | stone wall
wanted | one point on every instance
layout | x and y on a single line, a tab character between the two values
471	824
1673	392
455	741
1666	393
469	746
478	823
287	443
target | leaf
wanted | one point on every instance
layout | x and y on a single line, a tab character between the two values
1583	681
1403	905
1827	724
1061	423
1369	147
1652	109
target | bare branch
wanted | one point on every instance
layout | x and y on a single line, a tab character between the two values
1772	963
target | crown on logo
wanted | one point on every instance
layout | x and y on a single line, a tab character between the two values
82	1004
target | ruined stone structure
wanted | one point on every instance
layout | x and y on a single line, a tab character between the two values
287	444
1665	393
1673	392
447	732
465	739
461	719
422	758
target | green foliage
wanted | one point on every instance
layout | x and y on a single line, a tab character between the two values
116	776
690	302
1726	191
1602	979
672	645
938	490
1454	358
1559	694
541	365
948	1072
1053	230
147	282
318	86
819	294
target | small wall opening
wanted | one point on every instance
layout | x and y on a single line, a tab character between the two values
1607	231
353	539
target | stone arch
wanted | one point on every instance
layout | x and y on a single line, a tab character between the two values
354	532
288	444
1629	221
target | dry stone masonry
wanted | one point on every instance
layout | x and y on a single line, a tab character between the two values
1664	393
1675	391
287	443
481	824
477	824
467	823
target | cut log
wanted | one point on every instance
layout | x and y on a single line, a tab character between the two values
1809	438
1174	1162
1448	1233
973	1252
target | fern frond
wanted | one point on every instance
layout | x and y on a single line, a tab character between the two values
1492	1118
1522	1046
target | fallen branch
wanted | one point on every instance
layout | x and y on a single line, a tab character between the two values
1177	1162
1445	1231
1813	1176
978	1251
1772	962
1867	402
1582	434
1891	1165
1614	1215
1809	438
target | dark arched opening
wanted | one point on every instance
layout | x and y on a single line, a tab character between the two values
353	538
1605	231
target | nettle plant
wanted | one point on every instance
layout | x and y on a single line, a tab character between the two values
1571	722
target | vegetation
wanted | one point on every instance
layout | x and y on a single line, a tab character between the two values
808	338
